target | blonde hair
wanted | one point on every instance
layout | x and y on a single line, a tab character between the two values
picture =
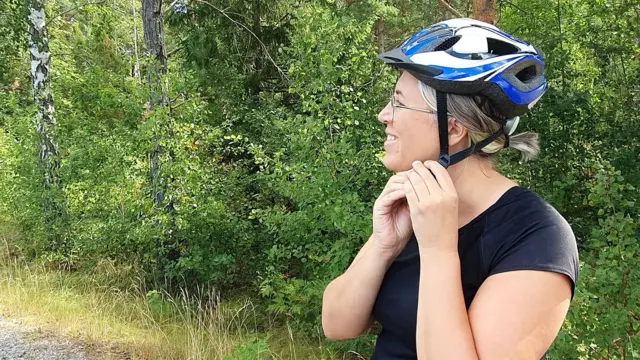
480	125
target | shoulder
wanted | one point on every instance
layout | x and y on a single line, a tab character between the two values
525	232
520	207
522	212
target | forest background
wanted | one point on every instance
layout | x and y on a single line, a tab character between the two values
196	154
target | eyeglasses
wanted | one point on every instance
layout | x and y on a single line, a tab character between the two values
395	105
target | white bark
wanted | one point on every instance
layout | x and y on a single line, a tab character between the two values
45	121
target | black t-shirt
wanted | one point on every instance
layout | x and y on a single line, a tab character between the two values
519	232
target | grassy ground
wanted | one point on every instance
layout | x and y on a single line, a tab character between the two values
93	308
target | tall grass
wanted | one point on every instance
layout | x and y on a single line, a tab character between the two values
107	307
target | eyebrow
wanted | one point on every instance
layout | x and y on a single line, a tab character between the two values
399	92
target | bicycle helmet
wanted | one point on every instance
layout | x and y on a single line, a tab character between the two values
470	57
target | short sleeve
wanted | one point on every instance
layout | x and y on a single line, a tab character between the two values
538	238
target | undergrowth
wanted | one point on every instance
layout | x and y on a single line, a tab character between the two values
107	307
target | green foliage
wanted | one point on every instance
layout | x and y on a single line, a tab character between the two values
272	148
603	322
253	348
12	41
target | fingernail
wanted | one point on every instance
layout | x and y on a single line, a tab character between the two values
415	162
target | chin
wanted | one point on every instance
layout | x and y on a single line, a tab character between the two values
395	164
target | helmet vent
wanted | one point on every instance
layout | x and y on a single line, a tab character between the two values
393	58
447	44
527	74
499	47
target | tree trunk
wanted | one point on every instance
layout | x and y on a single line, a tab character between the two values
154	46
155	71
485	10
45	121
135	72
255	82
379	33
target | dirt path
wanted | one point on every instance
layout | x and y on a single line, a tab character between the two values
21	342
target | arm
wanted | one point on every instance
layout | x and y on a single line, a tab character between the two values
443	330
515	315
348	300
518	310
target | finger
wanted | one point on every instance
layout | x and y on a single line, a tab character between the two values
398	178
396	187
426	176
391	187
395	195
420	187
410	194
441	175
387	200
395	179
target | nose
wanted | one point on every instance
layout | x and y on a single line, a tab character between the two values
385	116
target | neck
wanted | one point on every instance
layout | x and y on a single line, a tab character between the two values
478	186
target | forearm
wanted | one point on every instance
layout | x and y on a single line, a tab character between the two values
443	330
348	300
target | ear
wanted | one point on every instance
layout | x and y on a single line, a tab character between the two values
457	132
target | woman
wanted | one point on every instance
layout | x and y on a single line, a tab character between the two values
462	263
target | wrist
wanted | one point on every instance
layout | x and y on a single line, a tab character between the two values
438	255
445	244
385	253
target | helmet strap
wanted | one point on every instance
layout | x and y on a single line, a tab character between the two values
477	147
443	131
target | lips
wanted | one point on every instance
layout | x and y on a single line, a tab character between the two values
390	140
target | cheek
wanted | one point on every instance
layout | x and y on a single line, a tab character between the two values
420	140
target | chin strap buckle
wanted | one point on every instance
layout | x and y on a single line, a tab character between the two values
444	160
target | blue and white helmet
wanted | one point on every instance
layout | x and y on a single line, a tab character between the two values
470	57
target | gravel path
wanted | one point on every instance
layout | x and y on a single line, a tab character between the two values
21	342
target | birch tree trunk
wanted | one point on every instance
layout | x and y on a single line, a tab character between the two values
485	10
45	121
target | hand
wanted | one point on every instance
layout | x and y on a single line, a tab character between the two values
433	205
391	218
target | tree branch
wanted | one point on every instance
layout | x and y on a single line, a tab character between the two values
238	15
173	51
173	107
450	8
264	47
176	98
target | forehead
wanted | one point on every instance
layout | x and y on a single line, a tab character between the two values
407	84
